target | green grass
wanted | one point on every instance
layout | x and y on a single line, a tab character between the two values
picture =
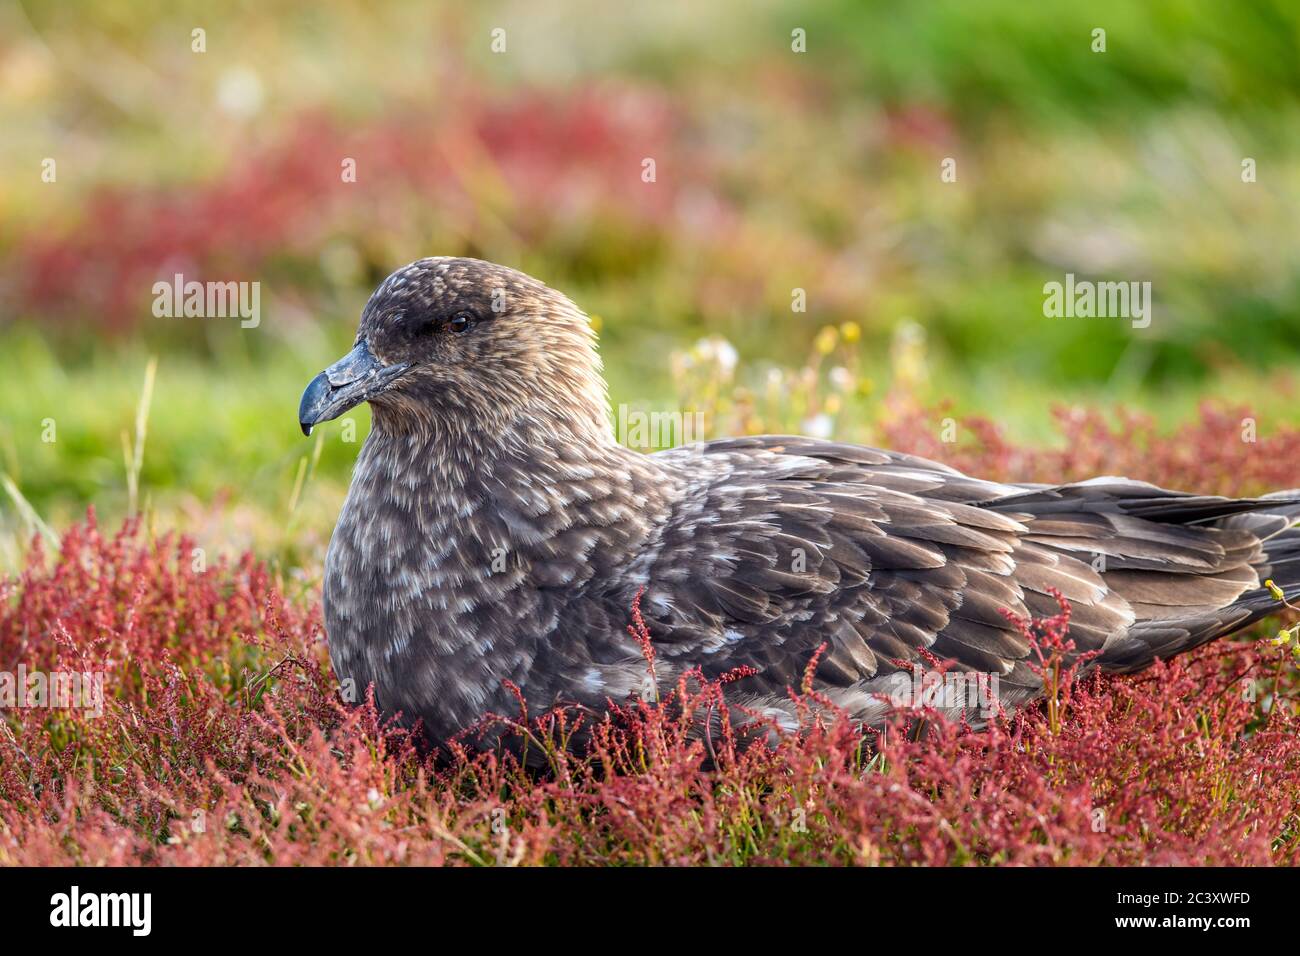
223	452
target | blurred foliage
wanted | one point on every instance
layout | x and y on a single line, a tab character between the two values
776	171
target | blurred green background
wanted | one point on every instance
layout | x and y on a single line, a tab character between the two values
775	170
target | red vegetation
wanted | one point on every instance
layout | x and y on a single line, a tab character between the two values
1219	453
533	165
221	741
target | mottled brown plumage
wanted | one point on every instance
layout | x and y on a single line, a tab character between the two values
495	531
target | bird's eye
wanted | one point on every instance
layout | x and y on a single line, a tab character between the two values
459	323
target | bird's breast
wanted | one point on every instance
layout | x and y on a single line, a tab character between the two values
440	591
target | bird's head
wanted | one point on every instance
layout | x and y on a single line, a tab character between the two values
464	343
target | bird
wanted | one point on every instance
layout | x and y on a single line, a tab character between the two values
495	537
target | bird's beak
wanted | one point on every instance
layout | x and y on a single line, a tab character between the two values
353	379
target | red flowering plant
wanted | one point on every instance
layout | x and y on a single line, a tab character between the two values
221	740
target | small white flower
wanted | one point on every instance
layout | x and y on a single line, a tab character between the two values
719	351
726	355
239	91
819	426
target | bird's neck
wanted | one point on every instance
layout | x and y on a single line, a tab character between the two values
483	480
469	445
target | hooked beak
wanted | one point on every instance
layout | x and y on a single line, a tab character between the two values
353	379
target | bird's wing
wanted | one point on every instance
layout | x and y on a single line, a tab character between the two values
785	543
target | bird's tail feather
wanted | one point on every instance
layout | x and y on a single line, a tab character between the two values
1278	528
